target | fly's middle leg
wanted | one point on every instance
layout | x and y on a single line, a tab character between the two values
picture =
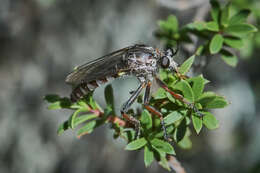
155	112
127	105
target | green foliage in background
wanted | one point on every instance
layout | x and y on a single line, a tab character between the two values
228	30
223	33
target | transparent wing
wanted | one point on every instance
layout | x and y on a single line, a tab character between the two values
107	65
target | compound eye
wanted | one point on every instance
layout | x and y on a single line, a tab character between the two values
165	62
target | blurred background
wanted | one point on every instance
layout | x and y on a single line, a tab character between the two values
42	40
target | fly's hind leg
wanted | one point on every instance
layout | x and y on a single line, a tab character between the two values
155	112
127	105
179	97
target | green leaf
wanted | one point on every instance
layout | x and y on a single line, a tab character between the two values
51	98
185	143
197	86
240	17
61	103
210	100
218	102
186	89
83	118
109	96
216	44
210	121
160	94
229	58
215	11
180	131
185	67
212	26
225	15
240	29
199	50
205	98
148	156
73	117
171	24
87	129
197	25
164	162
137	144
169	130
163	74
90	100
146	120
233	42
197	123
162	145
172	118
170	97
63	127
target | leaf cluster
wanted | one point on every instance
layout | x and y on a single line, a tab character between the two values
220	35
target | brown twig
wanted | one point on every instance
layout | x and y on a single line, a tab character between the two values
175	164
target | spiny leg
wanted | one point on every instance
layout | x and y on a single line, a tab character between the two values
178	97
154	111
127	105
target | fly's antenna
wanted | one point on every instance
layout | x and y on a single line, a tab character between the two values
169	51
176	50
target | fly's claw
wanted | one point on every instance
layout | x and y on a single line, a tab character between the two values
195	109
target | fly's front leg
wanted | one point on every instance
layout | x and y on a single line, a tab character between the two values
154	111
179	97
127	105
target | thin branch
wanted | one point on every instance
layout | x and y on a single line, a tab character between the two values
175	165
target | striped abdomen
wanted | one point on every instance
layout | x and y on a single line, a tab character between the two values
85	87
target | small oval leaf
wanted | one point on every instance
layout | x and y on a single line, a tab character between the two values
185	67
137	144
185	143
215	11
241	29
83	118
233	42
212	26
148	156
172	118
240	17
218	102
197	123
87	129
210	121
205	98
162	145
109	96
160	94
73	117
186	89
225	15
197	85
63	127
229	58
216	44
146	120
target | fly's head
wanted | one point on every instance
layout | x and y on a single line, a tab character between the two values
166	60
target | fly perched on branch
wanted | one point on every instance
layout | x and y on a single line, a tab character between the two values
141	61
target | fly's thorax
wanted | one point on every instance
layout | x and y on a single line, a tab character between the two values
142	63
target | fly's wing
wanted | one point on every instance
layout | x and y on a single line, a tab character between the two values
105	66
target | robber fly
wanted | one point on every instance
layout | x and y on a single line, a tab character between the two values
138	60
